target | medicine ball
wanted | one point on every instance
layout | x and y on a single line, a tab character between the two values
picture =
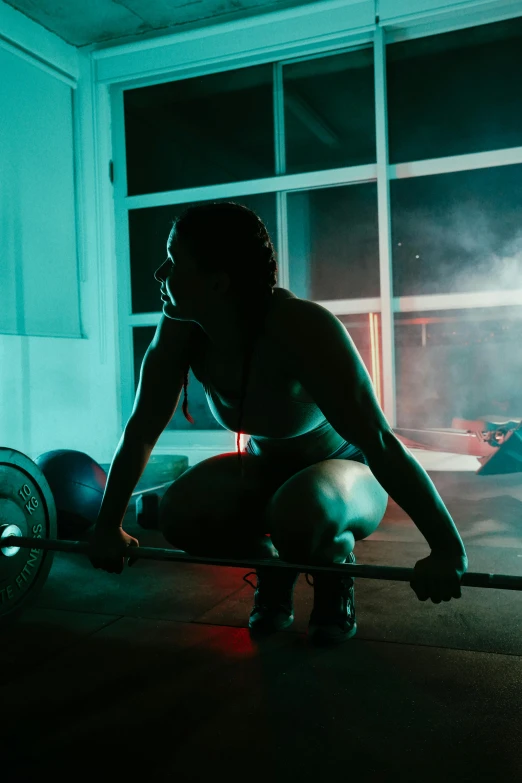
77	483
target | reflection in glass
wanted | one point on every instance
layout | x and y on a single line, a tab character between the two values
329	112
458	232
455	93
458	364
200	131
333	242
365	331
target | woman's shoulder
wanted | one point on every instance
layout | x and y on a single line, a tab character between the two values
298	307
289	306
283	293
296	321
281	302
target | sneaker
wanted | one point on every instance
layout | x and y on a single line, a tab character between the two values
333	617
273	607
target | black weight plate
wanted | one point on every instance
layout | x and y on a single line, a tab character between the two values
26	500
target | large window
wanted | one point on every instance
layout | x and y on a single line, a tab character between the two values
334	243
463	364
200	131
329	112
310	127
456	93
457	233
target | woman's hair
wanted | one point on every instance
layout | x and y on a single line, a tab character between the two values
230	237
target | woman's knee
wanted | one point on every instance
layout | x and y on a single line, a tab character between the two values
298	516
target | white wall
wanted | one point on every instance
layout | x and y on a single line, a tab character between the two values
57	372
39	294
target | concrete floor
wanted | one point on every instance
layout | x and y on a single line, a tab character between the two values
154	672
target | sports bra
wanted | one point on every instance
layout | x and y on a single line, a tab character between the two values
280	416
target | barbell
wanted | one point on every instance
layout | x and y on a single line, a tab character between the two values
27	506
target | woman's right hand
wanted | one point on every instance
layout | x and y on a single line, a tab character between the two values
108	547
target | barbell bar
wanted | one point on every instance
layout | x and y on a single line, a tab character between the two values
391	573
28	541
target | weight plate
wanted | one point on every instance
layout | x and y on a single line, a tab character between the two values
26	501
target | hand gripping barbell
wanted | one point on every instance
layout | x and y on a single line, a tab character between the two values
27	507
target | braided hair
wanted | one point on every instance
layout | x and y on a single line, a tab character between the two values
230	237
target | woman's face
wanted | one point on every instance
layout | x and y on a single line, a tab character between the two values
187	292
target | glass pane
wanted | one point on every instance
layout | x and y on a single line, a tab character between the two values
458	363
197	401
148	233
457	233
200	131
455	93
365	331
329	112
334	242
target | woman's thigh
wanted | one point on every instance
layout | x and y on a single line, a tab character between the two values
332	496
214	501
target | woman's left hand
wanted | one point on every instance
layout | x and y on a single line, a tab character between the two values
438	576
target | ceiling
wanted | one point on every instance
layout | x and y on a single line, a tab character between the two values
110	22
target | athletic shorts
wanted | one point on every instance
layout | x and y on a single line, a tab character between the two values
345	451
349	451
